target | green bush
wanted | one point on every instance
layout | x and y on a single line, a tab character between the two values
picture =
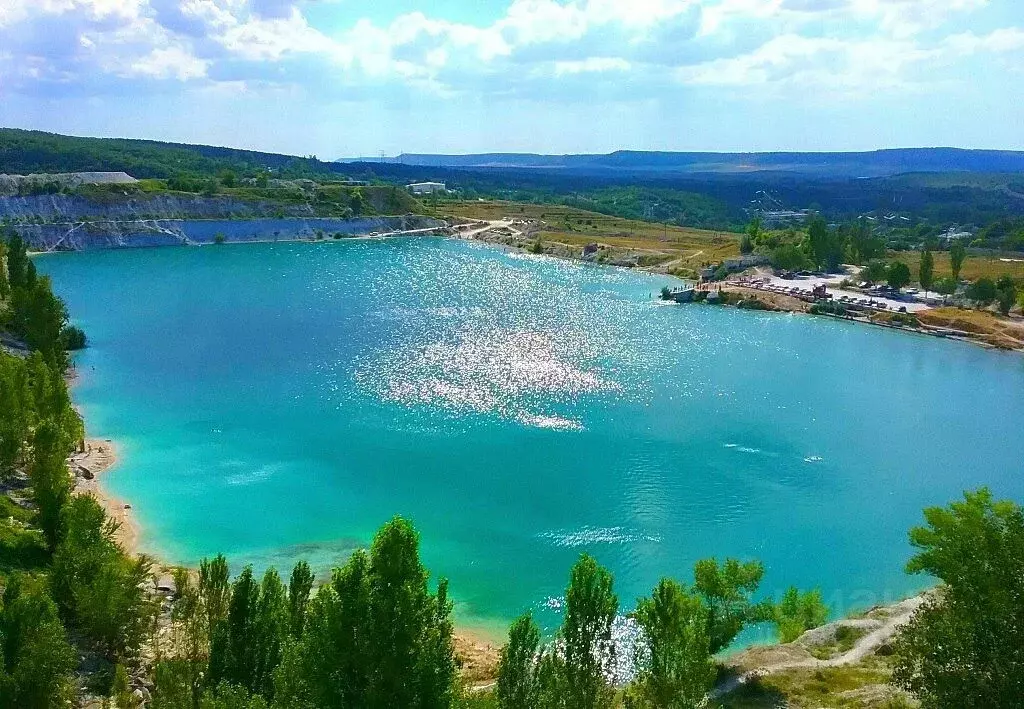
982	291
74	338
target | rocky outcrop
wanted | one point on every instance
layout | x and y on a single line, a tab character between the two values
14	184
173	232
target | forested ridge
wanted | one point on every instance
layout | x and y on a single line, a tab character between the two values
722	201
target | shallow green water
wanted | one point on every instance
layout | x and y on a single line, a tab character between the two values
276	401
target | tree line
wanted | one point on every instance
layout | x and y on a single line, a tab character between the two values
60	567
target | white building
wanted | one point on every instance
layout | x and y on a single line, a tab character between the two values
426	187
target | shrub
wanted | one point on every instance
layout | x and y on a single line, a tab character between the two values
74	338
982	291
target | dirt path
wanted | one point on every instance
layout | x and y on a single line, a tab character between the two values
898	616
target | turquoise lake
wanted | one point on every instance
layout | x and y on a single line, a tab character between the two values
282	401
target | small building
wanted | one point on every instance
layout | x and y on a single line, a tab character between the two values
426	187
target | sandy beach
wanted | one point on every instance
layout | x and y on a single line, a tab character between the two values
99	457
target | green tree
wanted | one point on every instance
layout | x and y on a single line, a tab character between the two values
15	400
874	271
590	609
898	275
965	646
352	632
798	612
826	245
788	257
552	692
299	587
403	618
982	291
234	648
751	235
517	669
36	659
19	271
375	636
1006	294
272	630
121	690
864	246
945	286
98	588
191	643
51	481
926	271
957	256
674	664
727	592
214	590
39	317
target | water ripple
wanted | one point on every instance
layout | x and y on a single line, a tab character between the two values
509	373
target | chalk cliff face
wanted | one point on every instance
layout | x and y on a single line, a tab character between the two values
63	222
169	232
58	207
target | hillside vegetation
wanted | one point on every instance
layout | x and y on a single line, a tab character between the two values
658	193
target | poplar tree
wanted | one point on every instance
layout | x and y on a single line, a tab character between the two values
957	256
214	590
517	669
926	272
674	664
299	587
15	398
586	634
233	649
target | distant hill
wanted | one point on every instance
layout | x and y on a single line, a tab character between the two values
879	163
24	151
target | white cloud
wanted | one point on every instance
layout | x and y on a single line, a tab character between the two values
593	65
1008	39
169	63
538	46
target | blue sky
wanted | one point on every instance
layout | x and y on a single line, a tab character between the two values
342	78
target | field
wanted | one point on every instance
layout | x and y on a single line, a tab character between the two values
974	267
675	248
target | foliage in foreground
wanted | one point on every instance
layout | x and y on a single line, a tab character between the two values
374	636
965	646
681	628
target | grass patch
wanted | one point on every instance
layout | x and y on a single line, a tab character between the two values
846	637
812	688
661	243
974	267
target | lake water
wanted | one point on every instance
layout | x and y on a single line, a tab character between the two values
278	401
